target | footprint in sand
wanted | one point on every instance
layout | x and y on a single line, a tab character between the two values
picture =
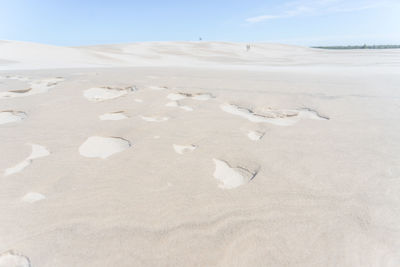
196	96
13	259
176	104
113	116
231	177
32	197
181	149
255	135
35	87
154	119
8	116
103	147
277	117
37	152
98	94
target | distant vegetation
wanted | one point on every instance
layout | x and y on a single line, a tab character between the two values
359	47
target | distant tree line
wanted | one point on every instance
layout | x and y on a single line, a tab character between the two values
359	47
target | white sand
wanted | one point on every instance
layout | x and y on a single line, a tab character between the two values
230	177
13	259
98	94
9	116
196	96
34	87
113	116
277	117
255	135
32	197
103	147
154	119
176	104
38	151
321	192
181	149
157	88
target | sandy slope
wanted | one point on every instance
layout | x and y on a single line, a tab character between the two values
281	156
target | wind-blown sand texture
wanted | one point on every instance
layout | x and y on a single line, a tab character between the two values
289	157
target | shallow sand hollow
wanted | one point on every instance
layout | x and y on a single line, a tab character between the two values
103	147
199	154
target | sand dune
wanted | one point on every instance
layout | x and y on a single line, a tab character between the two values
223	185
23	55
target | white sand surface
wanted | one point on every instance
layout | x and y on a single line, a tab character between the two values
255	135
9	116
13	259
32	197
103	147
98	94
277	117
181	149
38	151
231	177
113	116
322	191
154	119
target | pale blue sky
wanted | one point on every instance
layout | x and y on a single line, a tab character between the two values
302	22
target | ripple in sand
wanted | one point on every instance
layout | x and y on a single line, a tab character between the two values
37	152
113	116
103	147
13	259
230	177
32	197
98	94
181	149
8	116
277	117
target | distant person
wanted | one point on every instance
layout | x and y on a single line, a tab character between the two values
248	48
200	39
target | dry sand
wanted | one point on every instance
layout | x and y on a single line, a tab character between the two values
290	156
